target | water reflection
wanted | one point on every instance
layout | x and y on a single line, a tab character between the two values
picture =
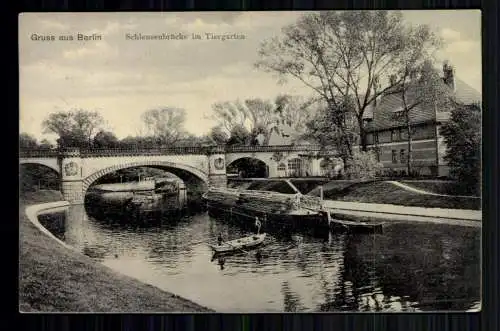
408	267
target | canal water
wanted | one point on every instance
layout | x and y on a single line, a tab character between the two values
409	267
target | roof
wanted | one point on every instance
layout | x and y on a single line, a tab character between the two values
382	117
286	136
465	93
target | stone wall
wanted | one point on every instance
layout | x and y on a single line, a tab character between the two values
217	180
73	191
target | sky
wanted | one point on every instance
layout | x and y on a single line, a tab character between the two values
122	78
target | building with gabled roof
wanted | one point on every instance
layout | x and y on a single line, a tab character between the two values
387	132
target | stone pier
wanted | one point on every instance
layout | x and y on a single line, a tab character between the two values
71	176
217	175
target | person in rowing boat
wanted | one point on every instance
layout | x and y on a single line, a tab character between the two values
258	224
258	256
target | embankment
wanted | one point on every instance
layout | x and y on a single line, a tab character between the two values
54	278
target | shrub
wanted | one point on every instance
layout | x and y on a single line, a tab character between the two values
462	135
363	165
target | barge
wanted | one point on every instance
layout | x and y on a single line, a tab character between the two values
280	207
140	200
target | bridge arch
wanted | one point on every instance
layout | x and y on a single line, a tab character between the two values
231	158
262	161
41	175
42	162
194	178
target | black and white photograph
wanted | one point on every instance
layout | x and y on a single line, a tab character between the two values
250	162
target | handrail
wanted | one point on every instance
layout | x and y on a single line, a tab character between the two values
39	153
89	152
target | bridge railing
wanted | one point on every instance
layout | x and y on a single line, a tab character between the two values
103	152
273	148
33	153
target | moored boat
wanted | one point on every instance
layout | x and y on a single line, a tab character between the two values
283	208
353	226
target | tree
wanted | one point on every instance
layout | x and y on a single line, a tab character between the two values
263	117
230	114
194	141
420	87
105	139
45	144
256	115
342	54
462	134
239	136
165	125
334	127
218	135
137	142
294	112
27	141
75	128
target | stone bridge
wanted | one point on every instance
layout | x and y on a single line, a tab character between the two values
198	167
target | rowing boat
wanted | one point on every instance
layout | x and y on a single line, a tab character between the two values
357	226
239	244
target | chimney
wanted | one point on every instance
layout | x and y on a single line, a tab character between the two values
449	75
392	79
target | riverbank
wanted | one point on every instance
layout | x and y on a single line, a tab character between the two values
387	193
53	278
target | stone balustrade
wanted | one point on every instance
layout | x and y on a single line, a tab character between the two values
199	150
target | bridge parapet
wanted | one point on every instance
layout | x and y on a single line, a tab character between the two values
39	153
272	148
181	150
107	152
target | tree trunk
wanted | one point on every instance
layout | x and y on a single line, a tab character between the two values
409	158
362	134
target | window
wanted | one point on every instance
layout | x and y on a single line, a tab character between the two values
295	167
399	113
281	167
402	155
394	156
396	135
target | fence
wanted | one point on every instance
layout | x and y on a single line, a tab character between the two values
95	152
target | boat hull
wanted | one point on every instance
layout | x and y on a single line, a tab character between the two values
316	222
270	221
338	224
239	244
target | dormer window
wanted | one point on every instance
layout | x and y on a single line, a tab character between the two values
399	112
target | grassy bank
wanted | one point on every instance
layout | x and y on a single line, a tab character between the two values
53	278
387	193
438	186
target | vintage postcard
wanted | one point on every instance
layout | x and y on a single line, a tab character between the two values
295	161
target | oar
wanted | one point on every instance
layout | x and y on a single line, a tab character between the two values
201	241
237	247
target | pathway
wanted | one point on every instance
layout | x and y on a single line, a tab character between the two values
389	212
419	191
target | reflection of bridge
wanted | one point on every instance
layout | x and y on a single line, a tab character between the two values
197	166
